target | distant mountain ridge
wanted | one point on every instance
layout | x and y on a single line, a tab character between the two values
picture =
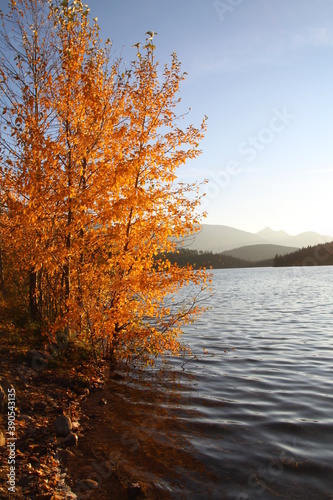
305	239
220	238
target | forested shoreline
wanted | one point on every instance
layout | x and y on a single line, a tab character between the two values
317	255
196	258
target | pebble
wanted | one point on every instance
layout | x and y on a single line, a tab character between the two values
71	439
37	359
75	426
66	455
63	425
90	483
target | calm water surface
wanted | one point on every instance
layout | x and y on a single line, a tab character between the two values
252	419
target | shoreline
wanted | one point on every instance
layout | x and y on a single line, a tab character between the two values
45	465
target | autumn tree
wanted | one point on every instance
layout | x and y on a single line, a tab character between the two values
89	192
26	65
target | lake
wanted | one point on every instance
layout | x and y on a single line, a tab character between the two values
253	418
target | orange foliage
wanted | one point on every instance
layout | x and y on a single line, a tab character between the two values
89	191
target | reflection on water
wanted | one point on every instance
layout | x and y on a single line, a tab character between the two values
149	427
253	422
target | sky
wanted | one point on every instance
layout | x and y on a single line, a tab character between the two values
262	71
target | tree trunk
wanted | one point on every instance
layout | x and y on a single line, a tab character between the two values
33	295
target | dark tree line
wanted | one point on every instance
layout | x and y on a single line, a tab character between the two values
199	259
318	255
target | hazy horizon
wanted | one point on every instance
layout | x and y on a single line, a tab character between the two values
267	227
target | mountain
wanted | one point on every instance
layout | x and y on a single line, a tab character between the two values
259	252
273	236
309	238
300	240
219	238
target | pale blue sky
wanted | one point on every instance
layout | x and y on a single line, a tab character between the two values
262	71
249	63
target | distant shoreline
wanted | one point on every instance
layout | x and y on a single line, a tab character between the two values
317	255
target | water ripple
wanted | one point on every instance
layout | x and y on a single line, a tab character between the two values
253	419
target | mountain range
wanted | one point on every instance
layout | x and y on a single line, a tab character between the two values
218	239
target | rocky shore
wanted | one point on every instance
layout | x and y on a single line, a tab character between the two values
47	441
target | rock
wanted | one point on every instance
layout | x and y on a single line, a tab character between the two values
102	402
2	440
89	484
71	439
66	455
63	425
75	426
134	490
38	360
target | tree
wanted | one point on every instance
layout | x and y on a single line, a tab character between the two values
25	69
89	190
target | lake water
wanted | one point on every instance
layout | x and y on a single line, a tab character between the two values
253	418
